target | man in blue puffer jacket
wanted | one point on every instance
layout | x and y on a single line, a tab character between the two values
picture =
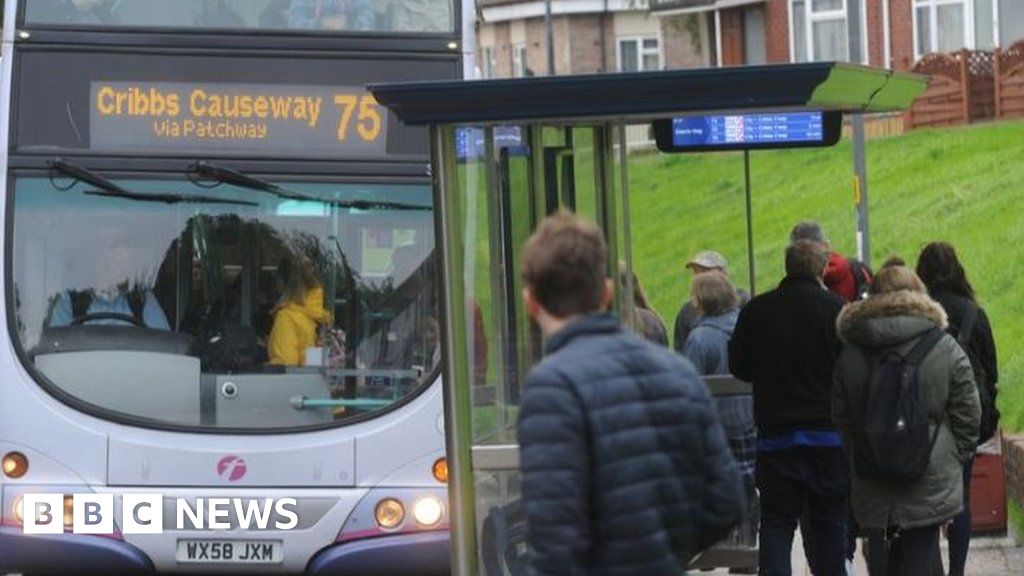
625	468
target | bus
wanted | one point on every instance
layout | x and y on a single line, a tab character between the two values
219	287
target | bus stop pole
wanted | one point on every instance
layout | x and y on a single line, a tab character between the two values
750	221
860	190
860	171
550	36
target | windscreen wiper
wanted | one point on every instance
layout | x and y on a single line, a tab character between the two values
233	177
109	189
225	175
167	198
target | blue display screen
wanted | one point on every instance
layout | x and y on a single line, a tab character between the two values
748	129
469	141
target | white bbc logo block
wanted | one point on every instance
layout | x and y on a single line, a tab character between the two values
142	514
93	513
43	513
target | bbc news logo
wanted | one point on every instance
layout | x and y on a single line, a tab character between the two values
144	514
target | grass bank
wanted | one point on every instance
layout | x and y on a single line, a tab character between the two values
961	185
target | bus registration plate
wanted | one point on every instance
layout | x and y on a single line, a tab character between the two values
229	552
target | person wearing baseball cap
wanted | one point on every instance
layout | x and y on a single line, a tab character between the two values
705	261
708	260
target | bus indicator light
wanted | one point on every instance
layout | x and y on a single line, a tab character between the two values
441	470
15	465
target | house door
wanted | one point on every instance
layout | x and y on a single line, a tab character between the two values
732	37
743	36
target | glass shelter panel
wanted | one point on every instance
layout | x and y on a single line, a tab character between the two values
232	308
501	182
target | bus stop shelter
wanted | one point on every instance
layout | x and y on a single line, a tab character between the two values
505	153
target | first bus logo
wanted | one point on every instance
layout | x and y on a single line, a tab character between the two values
232	468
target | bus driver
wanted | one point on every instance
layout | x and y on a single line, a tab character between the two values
121	296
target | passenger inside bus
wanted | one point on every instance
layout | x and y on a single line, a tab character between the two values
420	15
122	301
299	314
210	14
396	341
379	15
73	11
332	14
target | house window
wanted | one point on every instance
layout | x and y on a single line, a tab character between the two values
949	25
985	24
639	54
818	30
1011	22
942	26
753	36
487	62
518	60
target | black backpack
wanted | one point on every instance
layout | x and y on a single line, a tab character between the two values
861	278
986	389
891	440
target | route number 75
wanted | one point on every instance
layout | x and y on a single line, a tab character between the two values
368	120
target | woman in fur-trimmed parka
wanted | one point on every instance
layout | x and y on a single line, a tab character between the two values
896	315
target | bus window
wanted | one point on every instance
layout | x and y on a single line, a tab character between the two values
171	303
400	16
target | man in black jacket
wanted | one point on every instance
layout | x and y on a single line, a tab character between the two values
625	466
785	344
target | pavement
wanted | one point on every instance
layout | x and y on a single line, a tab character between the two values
989	556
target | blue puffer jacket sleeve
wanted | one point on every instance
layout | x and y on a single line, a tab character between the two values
556	494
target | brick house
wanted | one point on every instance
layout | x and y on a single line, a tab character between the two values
890	33
590	36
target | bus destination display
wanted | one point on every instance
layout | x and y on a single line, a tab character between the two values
743	130
171	116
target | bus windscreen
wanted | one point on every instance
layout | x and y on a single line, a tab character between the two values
748	131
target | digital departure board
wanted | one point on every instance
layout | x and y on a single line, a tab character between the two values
748	131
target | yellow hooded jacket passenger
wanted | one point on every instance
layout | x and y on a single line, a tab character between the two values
295	328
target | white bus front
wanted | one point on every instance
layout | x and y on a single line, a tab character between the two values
219	287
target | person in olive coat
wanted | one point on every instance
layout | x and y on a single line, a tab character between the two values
896	315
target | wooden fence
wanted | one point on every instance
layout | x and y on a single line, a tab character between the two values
968	86
1009	81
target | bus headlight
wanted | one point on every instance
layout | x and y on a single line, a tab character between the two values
15	464
389	513
18	508
427	511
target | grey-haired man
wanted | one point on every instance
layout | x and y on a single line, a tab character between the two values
686	320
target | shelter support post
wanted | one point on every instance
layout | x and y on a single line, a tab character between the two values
449	217
627	236
750	221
